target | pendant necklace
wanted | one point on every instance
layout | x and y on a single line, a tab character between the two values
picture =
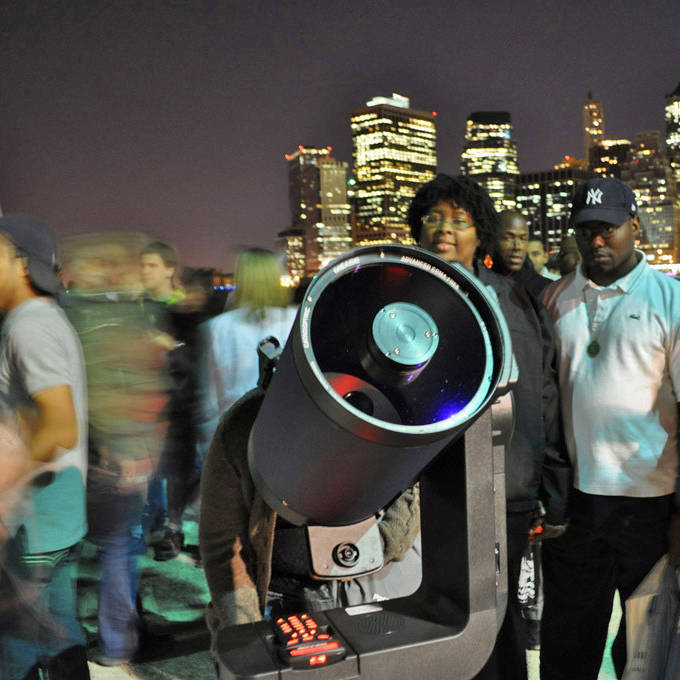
593	348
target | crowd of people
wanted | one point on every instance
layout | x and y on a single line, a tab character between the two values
127	393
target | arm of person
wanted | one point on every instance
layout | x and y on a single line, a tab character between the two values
55	425
400	525
557	472
674	527
673	359
224	539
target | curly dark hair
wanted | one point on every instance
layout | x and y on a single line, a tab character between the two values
466	194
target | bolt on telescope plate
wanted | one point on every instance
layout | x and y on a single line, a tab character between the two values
405	334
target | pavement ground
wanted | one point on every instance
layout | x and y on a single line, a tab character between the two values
174	595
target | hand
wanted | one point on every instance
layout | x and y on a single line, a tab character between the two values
553	530
674	541
542	531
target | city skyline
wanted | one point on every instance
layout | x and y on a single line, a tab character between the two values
174	120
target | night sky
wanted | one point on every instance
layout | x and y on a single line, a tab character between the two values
174	117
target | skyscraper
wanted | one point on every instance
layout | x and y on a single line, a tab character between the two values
545	199
608	157
672	116
593	126
490	155
291	242
649	175
394	151
317	192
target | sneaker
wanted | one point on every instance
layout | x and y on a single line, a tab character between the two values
111	661
170	546
157	534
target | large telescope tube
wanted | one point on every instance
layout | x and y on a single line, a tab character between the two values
393	354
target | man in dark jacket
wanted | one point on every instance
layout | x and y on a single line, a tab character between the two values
511	260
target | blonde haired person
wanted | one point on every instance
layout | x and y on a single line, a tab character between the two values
259	308
258	283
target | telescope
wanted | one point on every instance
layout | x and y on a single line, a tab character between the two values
397	370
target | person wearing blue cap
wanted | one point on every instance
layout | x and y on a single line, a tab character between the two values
42	376
618	341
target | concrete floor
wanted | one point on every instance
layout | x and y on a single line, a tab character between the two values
174	594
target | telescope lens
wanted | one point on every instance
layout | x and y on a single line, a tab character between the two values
413	338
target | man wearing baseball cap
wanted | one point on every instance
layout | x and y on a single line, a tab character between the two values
618	340
42	376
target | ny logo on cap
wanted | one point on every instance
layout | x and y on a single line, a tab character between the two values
594	196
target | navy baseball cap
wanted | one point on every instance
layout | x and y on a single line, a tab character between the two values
603	199
37	244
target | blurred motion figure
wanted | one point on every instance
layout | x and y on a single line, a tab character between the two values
127	390
42	377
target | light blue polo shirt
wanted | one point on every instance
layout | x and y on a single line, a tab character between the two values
619	405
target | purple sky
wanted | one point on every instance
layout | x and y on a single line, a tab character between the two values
175	120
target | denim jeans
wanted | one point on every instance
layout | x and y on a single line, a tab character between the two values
156	507
153	516
38	620
111	517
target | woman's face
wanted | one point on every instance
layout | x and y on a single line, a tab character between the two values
449	231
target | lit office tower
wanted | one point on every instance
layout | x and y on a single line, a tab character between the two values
317	191
609	157
593	126
490	155
394	151
291	242
672	115
545	199
649	175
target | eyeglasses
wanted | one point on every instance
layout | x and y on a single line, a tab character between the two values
437	221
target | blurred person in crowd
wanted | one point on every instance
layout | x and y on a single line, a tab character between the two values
181	461
259	307
454	218
159	265
539	257
618	342
568	257
512	261
127	398
16	473
42	378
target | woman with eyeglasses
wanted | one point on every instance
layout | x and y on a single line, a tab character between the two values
454	218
